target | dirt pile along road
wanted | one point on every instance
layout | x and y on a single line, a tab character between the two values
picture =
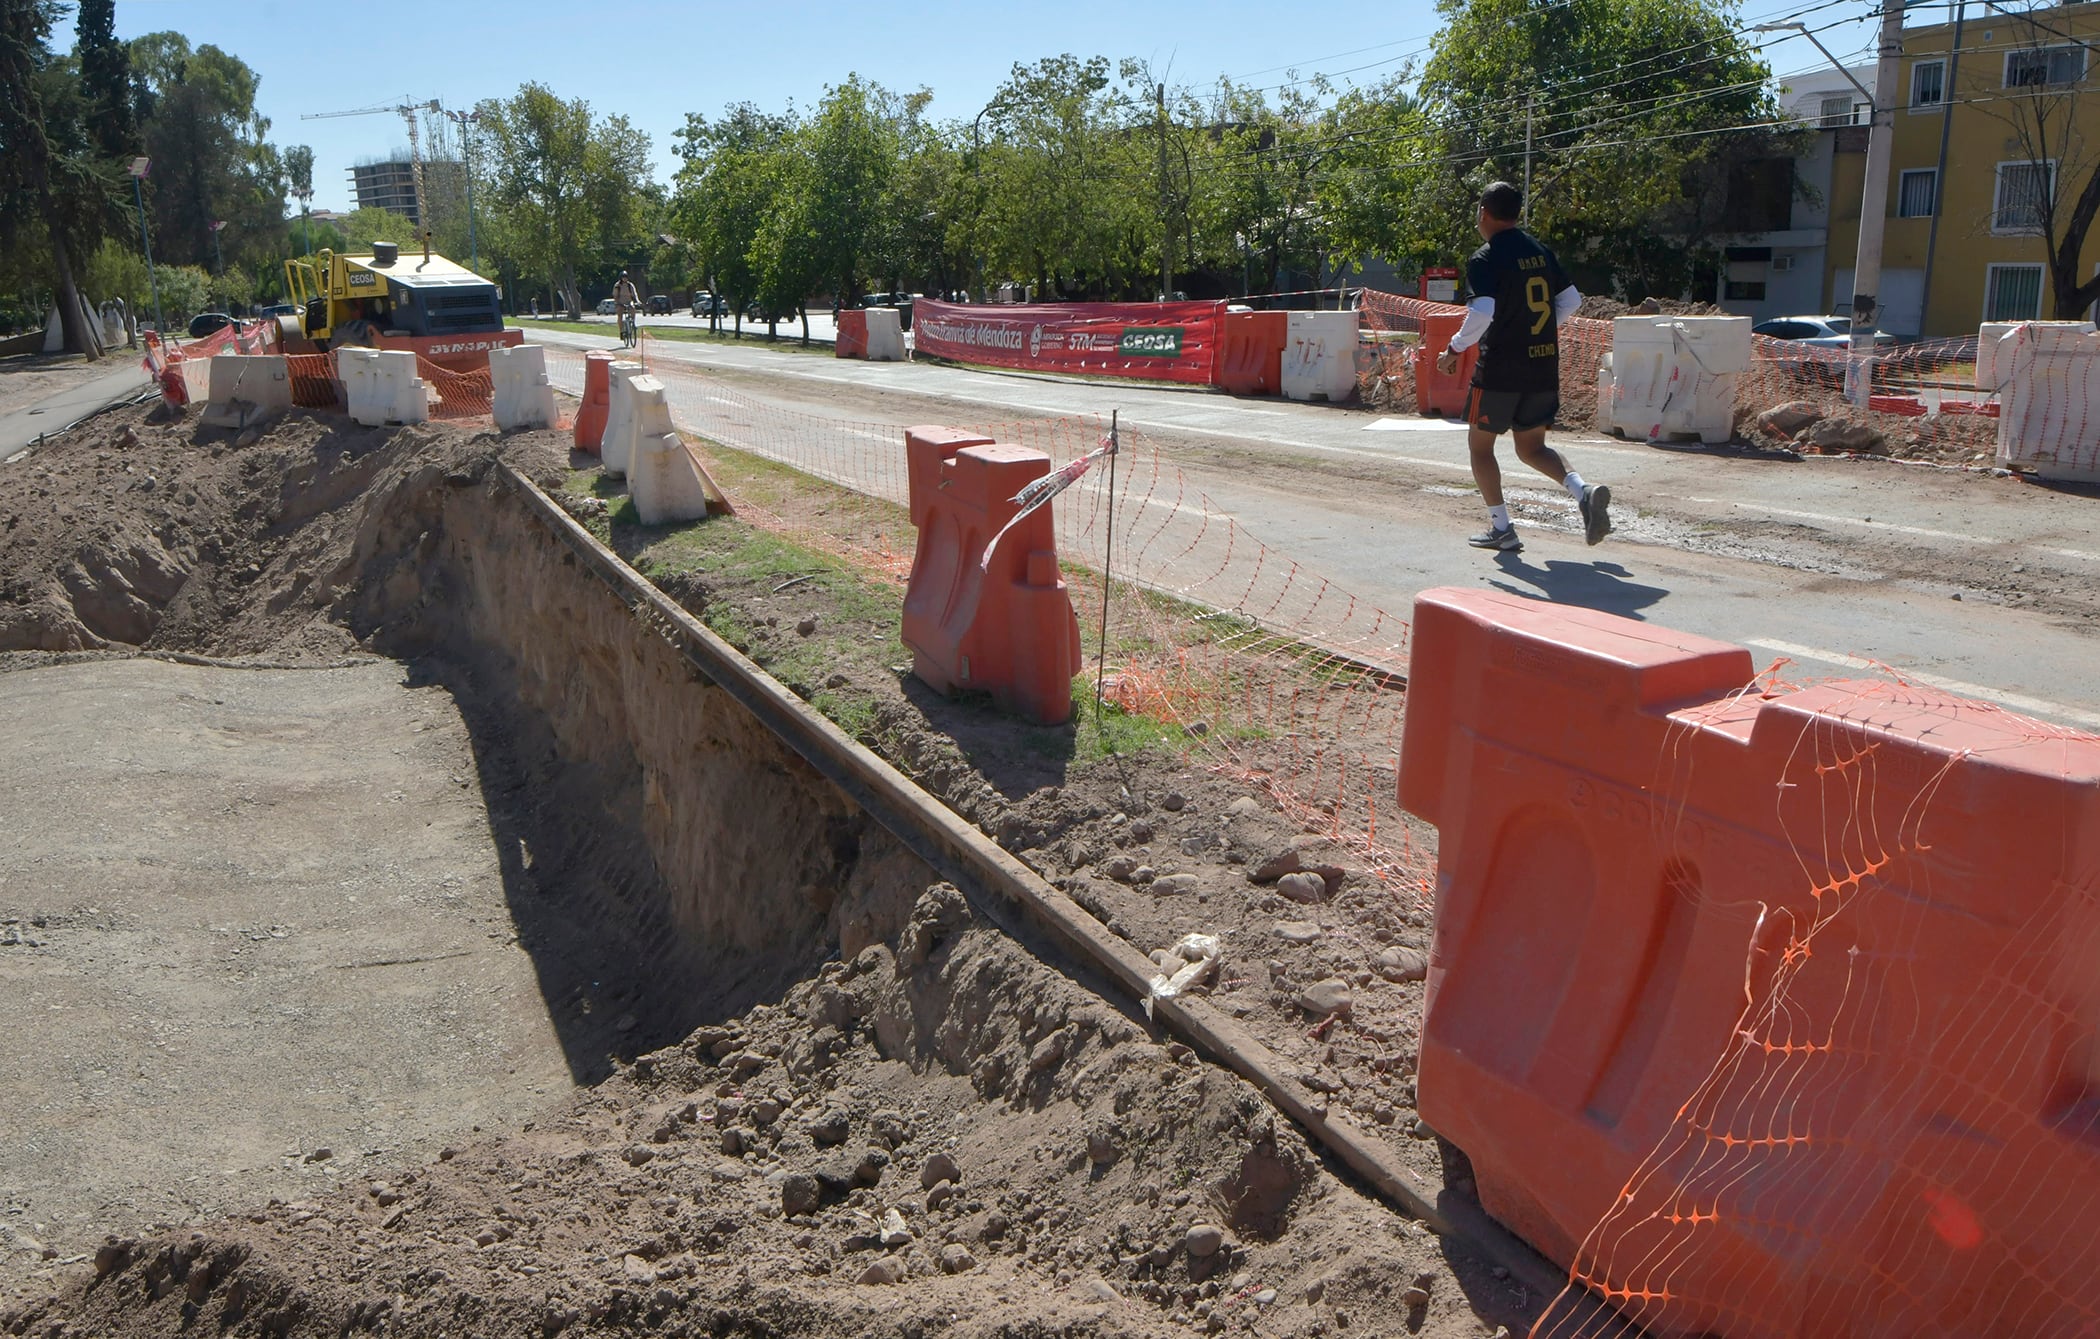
838	1102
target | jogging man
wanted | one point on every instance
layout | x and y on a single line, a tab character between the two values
1518	296
627	300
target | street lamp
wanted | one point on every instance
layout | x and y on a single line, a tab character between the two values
218	256
1874	191
138	169
466	142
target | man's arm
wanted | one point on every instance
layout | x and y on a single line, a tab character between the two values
1566	303
1480	314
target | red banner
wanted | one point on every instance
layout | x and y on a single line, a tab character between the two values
1149	341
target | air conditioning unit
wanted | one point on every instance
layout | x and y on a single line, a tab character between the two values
1782	264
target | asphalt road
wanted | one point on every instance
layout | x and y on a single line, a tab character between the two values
1957	580
20	429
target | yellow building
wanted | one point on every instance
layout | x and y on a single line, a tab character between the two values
1997	133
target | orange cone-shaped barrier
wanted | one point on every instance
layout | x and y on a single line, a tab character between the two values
597	401
999	623
1771	1013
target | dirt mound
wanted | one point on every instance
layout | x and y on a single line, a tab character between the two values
170	536
940	1135
1600	308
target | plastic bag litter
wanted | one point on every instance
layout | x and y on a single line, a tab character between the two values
1200	953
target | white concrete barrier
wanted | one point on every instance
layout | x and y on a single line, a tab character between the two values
2047	375
885	335
664	478
381	386
246	388
519	391
1675	376
1319	356
1605	380
617	446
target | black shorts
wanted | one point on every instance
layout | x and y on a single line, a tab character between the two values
1504	411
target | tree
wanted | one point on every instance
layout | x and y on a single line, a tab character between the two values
726	191
567	191
362	227
1630	105
49	170
299	175
212	160
2059	192
105	79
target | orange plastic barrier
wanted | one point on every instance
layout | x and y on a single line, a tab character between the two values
597	401
852	334
1250	352
1002	625
1769	1012
1436	393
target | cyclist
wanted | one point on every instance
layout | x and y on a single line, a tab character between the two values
627	299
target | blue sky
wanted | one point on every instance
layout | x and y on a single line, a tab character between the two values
655	61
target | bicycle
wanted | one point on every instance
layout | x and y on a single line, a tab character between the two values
629	331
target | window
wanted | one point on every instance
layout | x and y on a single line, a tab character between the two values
1915	196
1928	83
1761	195
1837	111
2013	293
1744	290
2024	193
2037	67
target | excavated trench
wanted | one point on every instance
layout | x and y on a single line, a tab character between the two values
821	1091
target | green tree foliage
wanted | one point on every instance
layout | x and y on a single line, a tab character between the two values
565	192
54	180
727	190
1630	104
105	79
212	160
185	290
362	227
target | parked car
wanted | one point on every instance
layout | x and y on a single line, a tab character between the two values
608	307
709	304
282	309
208	323
1818	332
659	304
1815	346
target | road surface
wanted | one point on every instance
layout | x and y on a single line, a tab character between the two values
1982	585
20	428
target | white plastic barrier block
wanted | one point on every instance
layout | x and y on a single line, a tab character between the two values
617	446
246	388
519	390
885	335
1987	336
664	478
1319	356
2048	382
381	386
1605	379
1675	376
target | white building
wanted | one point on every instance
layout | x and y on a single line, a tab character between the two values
1776	267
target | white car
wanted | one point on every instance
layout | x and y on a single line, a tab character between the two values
608	308
1818	332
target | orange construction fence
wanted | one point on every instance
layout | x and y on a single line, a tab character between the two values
1769	1012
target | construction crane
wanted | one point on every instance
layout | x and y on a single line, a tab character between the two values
407	111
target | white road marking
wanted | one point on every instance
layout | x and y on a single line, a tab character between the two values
1415	425
1926	532
2033	706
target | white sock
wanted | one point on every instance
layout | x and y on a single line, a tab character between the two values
1573	483
1498	517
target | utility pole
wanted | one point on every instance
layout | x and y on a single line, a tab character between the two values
1524	210
1166	237
1939	177
1874	207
